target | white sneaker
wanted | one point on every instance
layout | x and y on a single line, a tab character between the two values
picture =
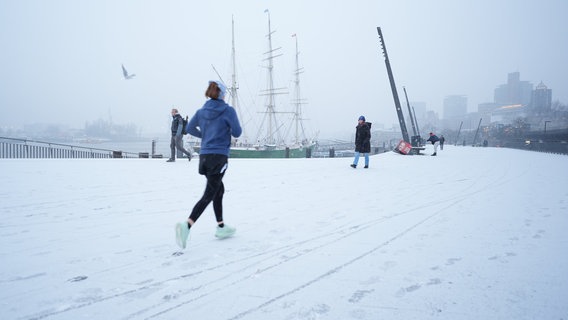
182	232
225	232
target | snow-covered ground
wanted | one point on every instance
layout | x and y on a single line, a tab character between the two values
475	233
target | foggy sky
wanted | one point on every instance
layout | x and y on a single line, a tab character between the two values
60	61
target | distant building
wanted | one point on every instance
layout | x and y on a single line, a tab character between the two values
512	99
455	106
487	107
514	92
455	111
508	114
485	110
431	122
419	108
541	99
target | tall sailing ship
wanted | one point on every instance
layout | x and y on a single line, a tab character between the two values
271	137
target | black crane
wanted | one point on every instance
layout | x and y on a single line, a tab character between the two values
393	88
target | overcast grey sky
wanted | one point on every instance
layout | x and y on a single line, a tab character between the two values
60	60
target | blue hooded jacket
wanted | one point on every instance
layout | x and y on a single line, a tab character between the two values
215	123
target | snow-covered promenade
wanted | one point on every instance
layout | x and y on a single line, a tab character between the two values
474	233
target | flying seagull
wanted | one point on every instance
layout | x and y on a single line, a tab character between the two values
126	75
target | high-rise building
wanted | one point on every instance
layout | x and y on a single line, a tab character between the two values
541	98
514	92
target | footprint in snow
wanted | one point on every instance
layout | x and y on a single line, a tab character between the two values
502	259
315	311
169	297
412	288
403	291
358	295
77	279
539	234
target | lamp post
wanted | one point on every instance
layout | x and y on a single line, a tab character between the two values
545	123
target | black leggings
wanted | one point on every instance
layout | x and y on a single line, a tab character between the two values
213	167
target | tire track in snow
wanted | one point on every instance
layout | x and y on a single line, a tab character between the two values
340	267
351	231
343	232
454	201
271	253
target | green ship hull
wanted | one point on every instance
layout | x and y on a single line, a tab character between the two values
303	152
269	153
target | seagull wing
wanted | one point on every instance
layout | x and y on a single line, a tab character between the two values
124	72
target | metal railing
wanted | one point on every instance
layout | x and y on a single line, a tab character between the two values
558	147
12	148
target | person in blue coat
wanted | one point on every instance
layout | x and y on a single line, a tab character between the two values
362	142
214	124
435	141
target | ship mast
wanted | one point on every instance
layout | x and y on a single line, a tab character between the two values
298	101
272	126
234	87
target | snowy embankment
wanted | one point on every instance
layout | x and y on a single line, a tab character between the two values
475	233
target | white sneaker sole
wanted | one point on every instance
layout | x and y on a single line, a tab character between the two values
226	235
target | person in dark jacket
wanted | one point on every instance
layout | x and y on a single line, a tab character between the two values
442	140
214	123
177	137
435	141
362	142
